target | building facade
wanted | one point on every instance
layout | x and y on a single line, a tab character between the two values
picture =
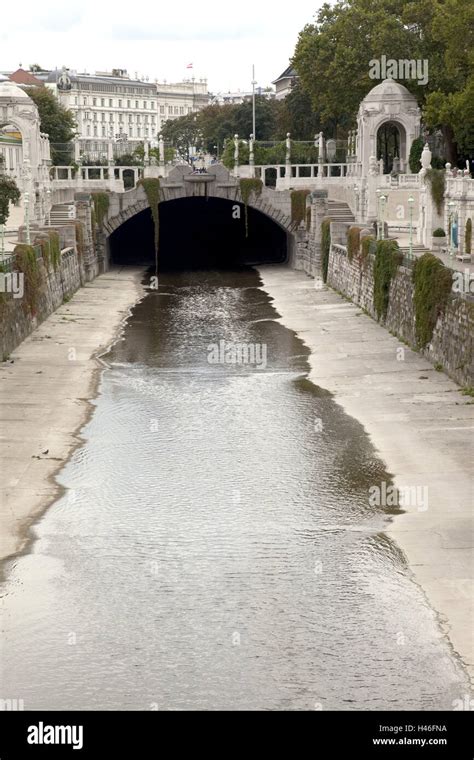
112	106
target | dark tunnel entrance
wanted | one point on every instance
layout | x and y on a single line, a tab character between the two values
200	233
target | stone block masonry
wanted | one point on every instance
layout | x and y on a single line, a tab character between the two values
451	346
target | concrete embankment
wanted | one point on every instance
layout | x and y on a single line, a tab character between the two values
421	425
45	391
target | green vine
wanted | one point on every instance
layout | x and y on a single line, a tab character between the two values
468	236
249	185
433	284
79	238
298	205
50	249
353	242
387	260
325	247
101	206
437	180
152	189
365	247
27	264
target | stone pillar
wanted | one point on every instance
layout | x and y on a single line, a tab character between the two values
319	211
236	155
288	158
251	157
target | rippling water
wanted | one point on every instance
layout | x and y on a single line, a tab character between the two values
215	547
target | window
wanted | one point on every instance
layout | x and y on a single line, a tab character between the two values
162	109
146	119
84	103
139	131
146	132
75	101
181	109
136	104
120	104
130	118
139	118
176	109
128	103
111	103
88	130
130	131
94	101
103	131
94	116
153	104
102	102
144	104
95	131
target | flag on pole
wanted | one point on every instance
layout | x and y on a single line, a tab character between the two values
189	66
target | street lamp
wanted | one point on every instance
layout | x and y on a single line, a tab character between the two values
411	203
26	203
253	100
378	193
383	199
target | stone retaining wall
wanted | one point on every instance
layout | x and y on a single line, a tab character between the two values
452	341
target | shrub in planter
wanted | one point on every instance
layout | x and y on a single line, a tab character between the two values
468	236
439	237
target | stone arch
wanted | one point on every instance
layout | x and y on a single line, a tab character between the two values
390	142
183	183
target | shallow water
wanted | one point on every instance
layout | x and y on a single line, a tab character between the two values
215	547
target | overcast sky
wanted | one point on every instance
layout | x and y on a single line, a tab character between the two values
157	39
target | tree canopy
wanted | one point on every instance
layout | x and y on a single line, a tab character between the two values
332	59
58	122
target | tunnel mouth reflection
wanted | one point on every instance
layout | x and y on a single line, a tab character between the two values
200	233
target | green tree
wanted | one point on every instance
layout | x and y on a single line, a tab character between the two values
9	193
183	133
298	116
58	122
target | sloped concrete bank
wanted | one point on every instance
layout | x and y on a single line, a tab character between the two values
45	391
422	426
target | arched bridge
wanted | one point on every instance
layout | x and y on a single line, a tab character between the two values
206	203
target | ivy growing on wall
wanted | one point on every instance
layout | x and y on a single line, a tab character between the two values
152	189
325	247
79	238
101	206
26	262
50	249
437	180
468	236
433	284
298	205
387	260
249	186
366	244
353	242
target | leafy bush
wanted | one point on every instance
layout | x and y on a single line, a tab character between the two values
439	232
437	180
415	155
468	236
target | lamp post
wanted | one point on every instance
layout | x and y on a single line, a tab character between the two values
26	203
378	193
411	203
48	201
383	200
253	99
